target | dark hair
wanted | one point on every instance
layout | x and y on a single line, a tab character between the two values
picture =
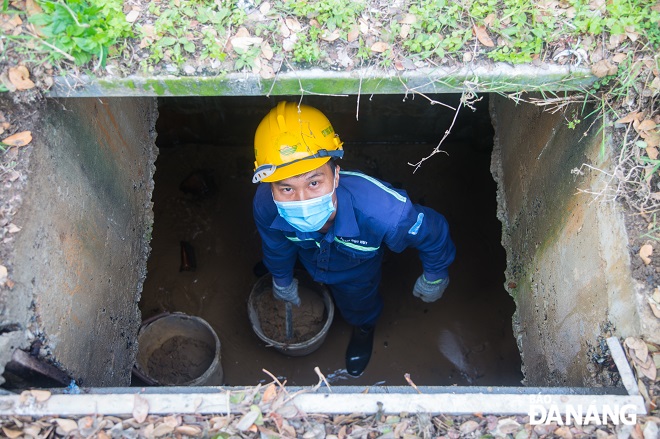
333	165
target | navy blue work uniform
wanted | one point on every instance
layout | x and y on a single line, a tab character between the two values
348	256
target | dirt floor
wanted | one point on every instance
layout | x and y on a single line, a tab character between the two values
465	338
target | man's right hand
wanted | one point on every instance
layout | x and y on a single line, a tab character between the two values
287	294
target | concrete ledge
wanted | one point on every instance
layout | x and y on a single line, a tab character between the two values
218	402
491	78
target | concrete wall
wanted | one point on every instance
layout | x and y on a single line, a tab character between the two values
86	224
568	267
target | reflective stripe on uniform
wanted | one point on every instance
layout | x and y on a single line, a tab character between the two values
396	195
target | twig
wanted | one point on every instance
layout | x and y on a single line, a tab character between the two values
55	48
413	91
407	377
276	380
321	379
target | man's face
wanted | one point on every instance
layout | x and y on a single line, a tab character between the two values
302	187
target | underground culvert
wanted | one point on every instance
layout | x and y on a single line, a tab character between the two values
466	338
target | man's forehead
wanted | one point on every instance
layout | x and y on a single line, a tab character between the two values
320	171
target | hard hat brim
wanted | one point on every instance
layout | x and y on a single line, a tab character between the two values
298	168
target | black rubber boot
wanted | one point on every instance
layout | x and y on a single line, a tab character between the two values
359	349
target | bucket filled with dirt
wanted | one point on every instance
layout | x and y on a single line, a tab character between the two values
178	350
310	321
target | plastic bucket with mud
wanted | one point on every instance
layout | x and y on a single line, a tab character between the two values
178	350
311	320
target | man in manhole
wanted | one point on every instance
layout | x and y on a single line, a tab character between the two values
336	223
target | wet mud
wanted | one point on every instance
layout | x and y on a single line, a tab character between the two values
465	338
307	319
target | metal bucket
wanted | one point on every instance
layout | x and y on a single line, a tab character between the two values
195	352
264	286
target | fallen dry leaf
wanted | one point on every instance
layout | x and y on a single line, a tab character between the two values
405	30
244	43
364	26
140	408
19	139
20	77
32	8
507	426
189	430
564	432
645	252
162	430
635	115
646	125
242	32
9	22
619	57
132	16
67	425
647	367
468	427
40	395
653	139
639	347
353	34
269	393
12	434
267	72
604	68
266	50
489	19
293	24
330	37
32	430
652	152
408	19
380	47
247	420
482	35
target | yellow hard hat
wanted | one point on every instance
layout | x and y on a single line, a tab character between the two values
291	140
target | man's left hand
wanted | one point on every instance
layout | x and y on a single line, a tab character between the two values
430	291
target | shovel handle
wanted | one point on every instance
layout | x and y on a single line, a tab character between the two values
289	321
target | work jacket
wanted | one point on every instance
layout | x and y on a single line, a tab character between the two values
371	214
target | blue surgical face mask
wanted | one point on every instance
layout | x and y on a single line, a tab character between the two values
307	215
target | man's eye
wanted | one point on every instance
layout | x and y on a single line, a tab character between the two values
286	190
314	183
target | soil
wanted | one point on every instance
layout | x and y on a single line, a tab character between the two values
308	318
180	360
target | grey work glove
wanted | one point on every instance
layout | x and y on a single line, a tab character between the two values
287	294
430	291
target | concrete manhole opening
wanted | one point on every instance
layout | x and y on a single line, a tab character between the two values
465	338
541	271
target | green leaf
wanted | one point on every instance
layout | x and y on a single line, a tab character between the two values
167	41
189	46
86	44
237	398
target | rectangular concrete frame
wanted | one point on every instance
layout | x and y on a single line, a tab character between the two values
100	151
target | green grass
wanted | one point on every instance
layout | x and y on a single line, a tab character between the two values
82	29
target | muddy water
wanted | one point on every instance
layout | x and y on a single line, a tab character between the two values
465	338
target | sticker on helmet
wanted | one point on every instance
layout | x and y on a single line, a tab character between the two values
288	149
326	132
